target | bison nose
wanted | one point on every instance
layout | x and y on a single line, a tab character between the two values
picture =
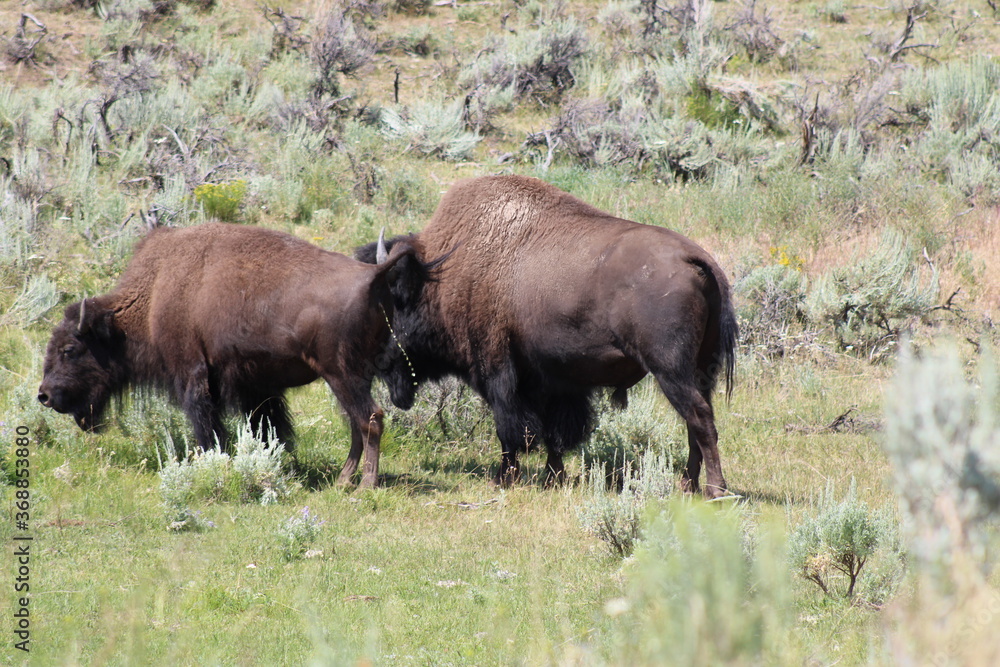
44	399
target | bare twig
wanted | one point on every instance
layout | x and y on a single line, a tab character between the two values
899	46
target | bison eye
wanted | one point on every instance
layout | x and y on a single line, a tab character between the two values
71	351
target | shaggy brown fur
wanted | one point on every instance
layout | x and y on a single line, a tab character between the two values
546	298
226	317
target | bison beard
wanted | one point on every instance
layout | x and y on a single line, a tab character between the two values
225	318
546	299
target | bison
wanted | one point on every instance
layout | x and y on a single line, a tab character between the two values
544	300
225	318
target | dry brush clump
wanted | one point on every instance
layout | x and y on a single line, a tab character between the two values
535	63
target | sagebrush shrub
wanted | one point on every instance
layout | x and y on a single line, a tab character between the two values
533	63
622	436
253	474
705	587
431	129
942	438
771	300
615	517
838	538
340	47
870	303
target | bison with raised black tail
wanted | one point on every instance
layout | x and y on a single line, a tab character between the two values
544	299
225	317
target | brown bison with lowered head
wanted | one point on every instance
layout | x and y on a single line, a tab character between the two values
545	299
225	317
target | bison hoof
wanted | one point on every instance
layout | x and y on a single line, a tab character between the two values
507	479
368	482
689	485
713	491
554	479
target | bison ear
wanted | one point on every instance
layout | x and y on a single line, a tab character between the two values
94	320
406	280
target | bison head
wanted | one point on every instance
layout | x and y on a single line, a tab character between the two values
82	370
397	366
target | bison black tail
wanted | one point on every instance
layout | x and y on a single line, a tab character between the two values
723	357
729	332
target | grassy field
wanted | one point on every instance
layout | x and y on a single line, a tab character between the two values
841	162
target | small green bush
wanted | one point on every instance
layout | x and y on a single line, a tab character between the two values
431	130
771	301
616	518
221	200
298	533
253	474
445	411
532	63
622	436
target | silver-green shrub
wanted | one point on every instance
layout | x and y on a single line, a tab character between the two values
705	588
535	62
942	438
257	464
622	436
868	304
447	410
616	517
837	539
252	474
298	532
431	129
957	105
38	296
771	300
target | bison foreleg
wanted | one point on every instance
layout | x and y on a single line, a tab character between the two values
514	435
365	418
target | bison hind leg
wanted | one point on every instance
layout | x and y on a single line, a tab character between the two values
694	405
202	409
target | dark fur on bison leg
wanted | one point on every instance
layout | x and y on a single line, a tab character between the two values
555	470
689	478
695	408
509	472
200	407
268	416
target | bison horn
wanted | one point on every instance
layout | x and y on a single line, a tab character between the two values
381	254
83	311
